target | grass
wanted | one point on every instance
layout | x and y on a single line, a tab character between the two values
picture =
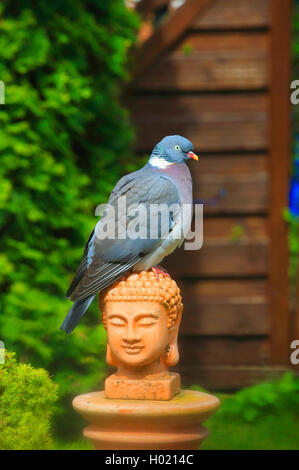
81	444
277	431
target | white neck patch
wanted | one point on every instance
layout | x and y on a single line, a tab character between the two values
159	162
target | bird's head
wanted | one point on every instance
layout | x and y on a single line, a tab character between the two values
172	149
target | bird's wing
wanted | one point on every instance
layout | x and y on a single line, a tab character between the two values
147	190
88	250
112	257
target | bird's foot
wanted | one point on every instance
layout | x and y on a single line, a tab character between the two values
159	270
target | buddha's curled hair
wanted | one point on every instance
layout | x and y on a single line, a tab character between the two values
145	286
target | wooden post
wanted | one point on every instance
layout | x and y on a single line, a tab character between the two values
168	33
297	308
279	176
146	6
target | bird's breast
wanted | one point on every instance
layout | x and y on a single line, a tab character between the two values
180	175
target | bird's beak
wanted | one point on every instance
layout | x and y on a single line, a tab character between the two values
192	155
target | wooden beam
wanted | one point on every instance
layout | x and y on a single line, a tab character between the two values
235	14
228	377
224	307
279	179
227	350
215	61
147	6
242	180
169	31
223	254
213	123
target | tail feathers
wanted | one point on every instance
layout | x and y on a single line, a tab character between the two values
76	312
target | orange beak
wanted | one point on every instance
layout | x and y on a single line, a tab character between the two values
192	155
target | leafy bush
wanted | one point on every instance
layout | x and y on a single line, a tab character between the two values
265	398
293	237
251	403
27	396
260	417
64	141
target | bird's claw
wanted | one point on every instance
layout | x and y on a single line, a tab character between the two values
159	270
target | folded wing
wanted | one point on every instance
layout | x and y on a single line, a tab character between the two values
106	260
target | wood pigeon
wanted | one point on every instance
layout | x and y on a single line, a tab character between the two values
165	179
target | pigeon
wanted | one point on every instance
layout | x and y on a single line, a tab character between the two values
166	180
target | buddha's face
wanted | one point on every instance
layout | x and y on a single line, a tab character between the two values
137	331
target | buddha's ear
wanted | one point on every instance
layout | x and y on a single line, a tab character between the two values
110	359
171	356
174	329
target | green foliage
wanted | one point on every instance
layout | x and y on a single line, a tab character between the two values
249	404
270	432
236	233
187	48
64	141
261	417
81	444
293	236
253	402
27	397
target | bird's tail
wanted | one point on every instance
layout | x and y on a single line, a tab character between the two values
76	312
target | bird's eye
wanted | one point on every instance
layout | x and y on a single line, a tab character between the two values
177	147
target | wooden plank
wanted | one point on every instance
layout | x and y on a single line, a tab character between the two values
201	351
231	184
235	14
212	62
232	247
146	6
228	377
213	123
279	174
228	184
225	308
169	32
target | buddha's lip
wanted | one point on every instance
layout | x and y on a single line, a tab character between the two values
132	349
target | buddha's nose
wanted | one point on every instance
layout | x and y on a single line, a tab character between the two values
131	336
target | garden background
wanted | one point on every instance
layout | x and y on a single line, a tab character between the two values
65	139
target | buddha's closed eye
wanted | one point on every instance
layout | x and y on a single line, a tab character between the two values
144	321
117	321
147	321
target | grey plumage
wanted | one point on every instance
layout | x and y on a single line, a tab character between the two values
165	179
76	312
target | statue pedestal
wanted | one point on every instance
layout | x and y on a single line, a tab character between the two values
117	424
155	388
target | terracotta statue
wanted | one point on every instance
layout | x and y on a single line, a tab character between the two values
142	406
142	314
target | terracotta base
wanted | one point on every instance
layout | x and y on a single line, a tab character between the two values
156	388
146	424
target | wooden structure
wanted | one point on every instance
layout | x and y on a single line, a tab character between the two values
217	72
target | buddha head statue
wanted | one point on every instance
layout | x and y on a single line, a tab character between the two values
141	314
